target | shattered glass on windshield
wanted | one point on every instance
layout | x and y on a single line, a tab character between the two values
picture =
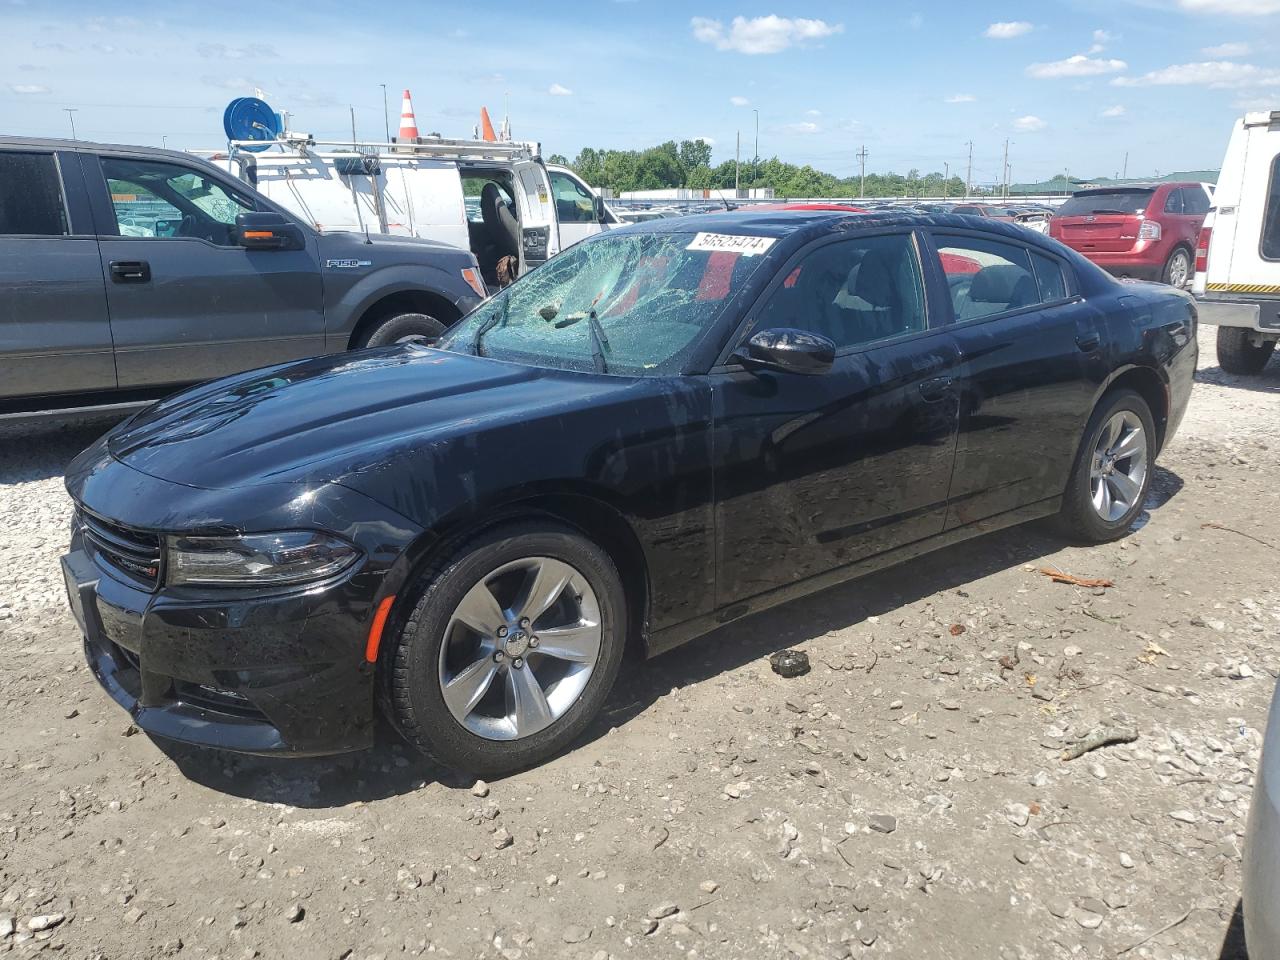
631	303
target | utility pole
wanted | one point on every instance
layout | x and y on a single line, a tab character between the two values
862	161
1005	169
386	117
1124	174
737	161
946	175
968	175
354	141
755	157
71	115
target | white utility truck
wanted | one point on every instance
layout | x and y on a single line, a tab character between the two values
1237	280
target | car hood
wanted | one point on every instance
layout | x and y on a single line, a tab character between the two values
327	418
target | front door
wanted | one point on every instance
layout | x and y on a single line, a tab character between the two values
816	472
575	208
539	235
1032	364
187	302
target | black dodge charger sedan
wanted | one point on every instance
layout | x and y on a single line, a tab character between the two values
664	429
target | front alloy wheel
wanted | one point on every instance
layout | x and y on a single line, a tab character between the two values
520	648
510	650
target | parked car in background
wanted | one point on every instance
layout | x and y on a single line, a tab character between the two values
126	272
661	430
1147	232
991	211
1237	277
1262	849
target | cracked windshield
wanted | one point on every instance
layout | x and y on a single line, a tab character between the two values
631	304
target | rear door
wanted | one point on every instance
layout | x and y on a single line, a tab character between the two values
55	335
187	302
539	232
1032	360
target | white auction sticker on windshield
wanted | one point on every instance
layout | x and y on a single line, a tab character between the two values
731	243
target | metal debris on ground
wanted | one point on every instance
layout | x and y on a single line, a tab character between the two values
790	663
1058	576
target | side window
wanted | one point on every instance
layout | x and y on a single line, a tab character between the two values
1195	201
168	200
31	196
853	291
1271	218
986	277
1174	203
1049	277
573	203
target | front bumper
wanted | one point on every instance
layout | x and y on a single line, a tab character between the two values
271	675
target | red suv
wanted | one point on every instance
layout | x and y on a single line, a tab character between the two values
1144	231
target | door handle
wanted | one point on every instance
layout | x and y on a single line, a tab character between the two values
130	271
936	388
1088	342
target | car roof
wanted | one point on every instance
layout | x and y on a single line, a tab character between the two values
56	143
798	227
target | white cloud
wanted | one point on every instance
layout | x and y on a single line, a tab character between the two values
557	90
1008	29
28	88
1075	66
1116	111
804	127
1239	8
740	101
1101	38
1227	50
915	21
771	34
813	113
1211	73
961	98
220	51
1029	124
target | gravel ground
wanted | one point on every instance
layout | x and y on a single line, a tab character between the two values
907	797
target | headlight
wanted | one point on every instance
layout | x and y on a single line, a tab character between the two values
259	559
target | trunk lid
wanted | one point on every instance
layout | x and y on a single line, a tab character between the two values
1101	221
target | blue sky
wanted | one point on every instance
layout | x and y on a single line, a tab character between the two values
1073	84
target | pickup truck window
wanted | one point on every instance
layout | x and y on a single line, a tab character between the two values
31	196
1270	244
573	203
161	200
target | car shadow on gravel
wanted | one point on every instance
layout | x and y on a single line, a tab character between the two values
392	768
1233	946
38	451
1268	381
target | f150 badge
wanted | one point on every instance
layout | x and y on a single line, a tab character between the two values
347	264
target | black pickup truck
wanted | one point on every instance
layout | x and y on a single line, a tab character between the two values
127	272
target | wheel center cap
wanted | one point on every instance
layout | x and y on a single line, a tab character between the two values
517	643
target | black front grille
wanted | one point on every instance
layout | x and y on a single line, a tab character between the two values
216	699
135	553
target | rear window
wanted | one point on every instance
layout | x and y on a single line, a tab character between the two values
1271	219
31	196
1106	201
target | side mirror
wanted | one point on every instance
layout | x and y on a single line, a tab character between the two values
787	350
268	231
601	216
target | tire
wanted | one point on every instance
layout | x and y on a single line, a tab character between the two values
1177	269
1081	519
1236	354
403	328
436	648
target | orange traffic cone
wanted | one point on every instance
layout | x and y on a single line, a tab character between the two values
408	123
486	127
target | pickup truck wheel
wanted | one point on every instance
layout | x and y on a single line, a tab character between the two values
1238	354
1177	269
1112	471
403	328
511	649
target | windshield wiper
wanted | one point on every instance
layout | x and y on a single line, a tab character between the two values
599	341
488	325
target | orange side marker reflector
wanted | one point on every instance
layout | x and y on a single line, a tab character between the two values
375	631
259	234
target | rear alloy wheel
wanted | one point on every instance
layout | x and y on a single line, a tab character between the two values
511	650
1177	269
403	328
1112	471
1238	352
